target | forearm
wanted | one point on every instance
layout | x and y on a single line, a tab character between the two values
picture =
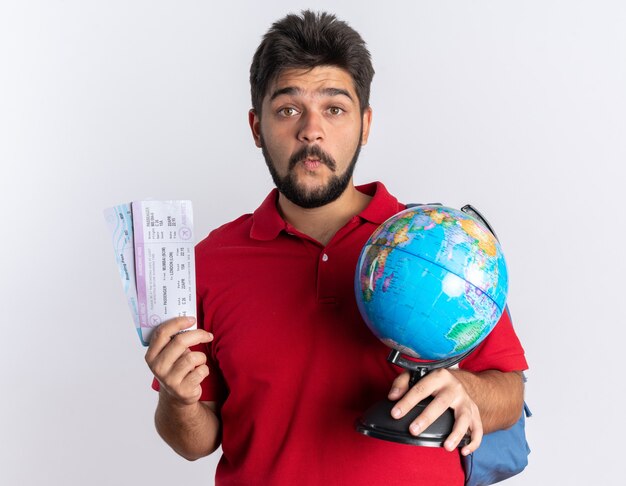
499	396
193	431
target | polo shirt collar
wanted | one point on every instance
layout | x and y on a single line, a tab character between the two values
382	206
267	223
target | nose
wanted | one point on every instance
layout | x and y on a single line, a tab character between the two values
311	127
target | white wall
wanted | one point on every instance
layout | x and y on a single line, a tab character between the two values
517	107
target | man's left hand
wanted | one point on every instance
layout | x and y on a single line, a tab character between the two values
447	392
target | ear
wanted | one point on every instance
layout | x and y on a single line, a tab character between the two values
255	125
367	123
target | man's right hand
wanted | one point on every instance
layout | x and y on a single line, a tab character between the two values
178	369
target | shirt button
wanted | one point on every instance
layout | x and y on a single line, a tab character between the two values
324	257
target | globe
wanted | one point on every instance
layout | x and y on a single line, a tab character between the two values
431	282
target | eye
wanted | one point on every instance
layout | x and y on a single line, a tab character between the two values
288	111
335	110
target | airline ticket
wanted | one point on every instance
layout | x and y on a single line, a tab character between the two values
153	243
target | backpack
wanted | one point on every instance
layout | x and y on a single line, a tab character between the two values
502	454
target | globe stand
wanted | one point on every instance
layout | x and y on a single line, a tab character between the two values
377	422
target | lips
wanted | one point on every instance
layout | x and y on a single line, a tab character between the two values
311	164
312	157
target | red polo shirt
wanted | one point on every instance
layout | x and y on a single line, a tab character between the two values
292	363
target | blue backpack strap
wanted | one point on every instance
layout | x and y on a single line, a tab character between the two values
501	454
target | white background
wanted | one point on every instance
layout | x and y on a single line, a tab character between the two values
518	107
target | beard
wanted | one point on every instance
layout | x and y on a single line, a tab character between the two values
288	185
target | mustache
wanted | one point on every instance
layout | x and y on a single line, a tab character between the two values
312	151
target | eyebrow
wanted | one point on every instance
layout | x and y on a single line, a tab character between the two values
292	90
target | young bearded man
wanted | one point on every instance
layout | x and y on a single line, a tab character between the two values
281	364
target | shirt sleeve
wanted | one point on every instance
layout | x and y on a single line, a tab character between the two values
501	350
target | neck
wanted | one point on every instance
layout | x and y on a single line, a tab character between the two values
322	223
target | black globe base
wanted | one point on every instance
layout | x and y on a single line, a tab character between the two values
377	422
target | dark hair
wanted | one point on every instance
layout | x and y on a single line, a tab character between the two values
307	41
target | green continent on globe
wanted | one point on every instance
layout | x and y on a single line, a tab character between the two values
465	334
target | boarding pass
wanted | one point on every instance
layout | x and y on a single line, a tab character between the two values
153	243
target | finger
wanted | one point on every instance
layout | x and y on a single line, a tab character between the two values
460	428
161	366
190	389
399	386
476	438
188	339
176	345
184	365
431	384
412	397
186	373
194	378
432	412
175	348
162	334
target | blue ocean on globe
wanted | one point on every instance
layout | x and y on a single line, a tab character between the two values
431	282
